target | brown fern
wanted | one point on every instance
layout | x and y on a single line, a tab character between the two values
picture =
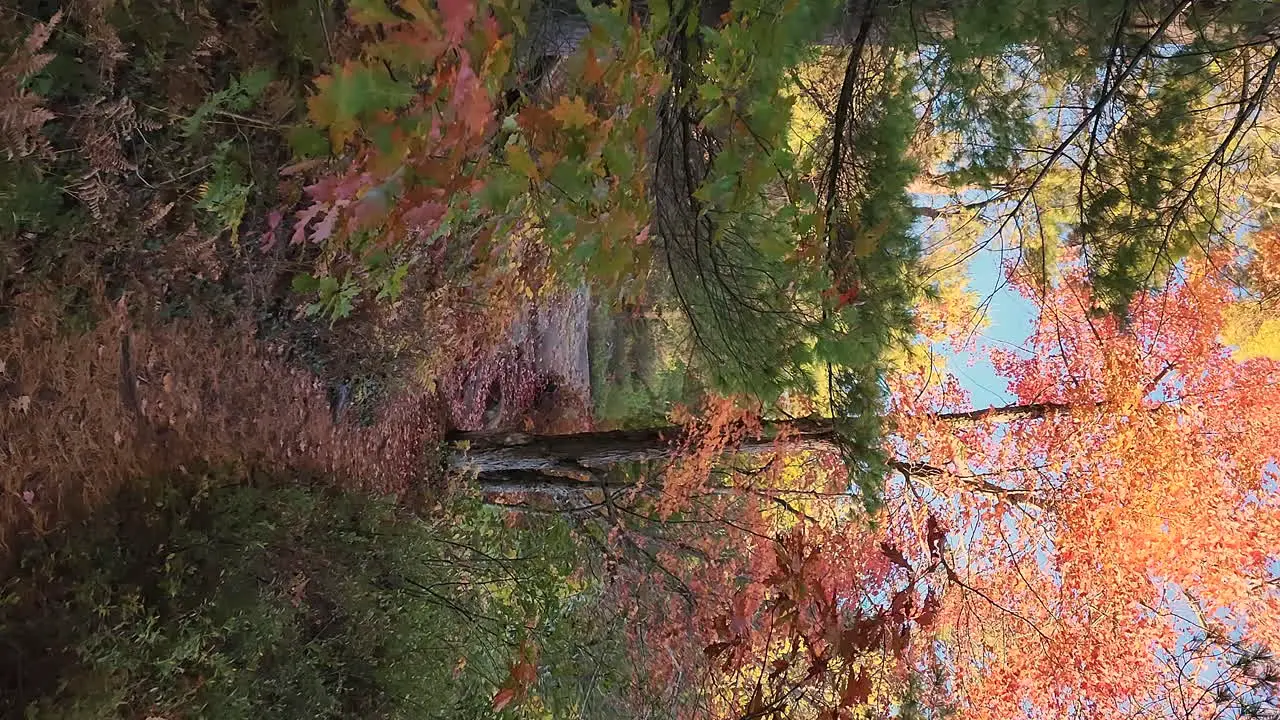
103	127
104	196
101	36
22	113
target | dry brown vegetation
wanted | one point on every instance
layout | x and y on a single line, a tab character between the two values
82	412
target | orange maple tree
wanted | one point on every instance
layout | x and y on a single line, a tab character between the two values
1112	547
1106	546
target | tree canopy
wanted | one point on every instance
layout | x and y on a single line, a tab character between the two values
805	514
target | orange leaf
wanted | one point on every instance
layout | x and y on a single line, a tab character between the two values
591	70
524	673
572	113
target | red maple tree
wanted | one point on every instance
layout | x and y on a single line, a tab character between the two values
1112	546
1105	546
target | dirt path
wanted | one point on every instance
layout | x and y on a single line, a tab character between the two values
82	413
562	339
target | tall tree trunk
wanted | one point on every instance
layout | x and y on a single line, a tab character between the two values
556	32
556	464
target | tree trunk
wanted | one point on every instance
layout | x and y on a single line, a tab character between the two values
558	33
559	464
584	453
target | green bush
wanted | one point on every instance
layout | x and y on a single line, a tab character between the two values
259	602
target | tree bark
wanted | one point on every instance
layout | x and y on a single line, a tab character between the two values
559	33
557	464
585	453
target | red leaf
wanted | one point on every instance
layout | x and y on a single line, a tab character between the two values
898	641
714	649
457	14
856	690
895	555
273	223
929	613
901	605
935	536
324	228
860	638
305	216
425	216
470	101
503	698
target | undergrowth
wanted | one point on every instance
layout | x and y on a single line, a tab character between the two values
211	598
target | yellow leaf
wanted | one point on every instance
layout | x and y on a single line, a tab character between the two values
572	113
865	243
519	160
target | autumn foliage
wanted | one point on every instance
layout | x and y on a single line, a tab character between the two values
822	528
1132	514
1106	543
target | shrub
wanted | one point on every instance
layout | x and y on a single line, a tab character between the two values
232	601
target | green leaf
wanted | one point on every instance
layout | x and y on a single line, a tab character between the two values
620	157
355	92
249	87
519	160
503	187
307	142
305	283
393	283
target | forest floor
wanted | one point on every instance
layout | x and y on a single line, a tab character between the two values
85	412
148	324
563	343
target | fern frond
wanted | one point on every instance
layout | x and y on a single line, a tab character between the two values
22	113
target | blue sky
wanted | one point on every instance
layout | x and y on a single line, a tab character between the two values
1009	321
